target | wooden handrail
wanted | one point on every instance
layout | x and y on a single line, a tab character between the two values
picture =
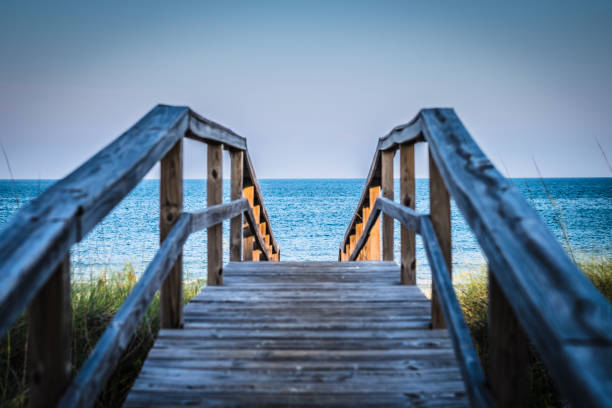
462	342
99	366
404	215
560	311
34	266
36	239
207	131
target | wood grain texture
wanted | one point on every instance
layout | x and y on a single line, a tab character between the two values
508	370
248	239
408	199
561	312
464	347
171	207
214	196
247	249
216	214
100	365
50	339
405	215
365	214
236	194
258	241
409	133
374	240
251	179
387	192
285	341
207	131
439	207
35	240
372	180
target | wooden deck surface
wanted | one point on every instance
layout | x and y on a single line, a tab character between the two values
303	334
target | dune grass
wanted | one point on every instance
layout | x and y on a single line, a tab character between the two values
472	295
94	304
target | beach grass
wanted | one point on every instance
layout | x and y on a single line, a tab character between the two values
472	295
94	304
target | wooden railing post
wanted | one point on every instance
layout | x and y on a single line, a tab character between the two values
236	194
387	192
256	215
408	198
358	232
214	196
374	240
171	207
508	348
439	208
365	214
50	339
247	250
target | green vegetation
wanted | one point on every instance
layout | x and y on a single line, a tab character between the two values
472	294
94	304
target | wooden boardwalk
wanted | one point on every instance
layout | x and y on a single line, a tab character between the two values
341	333
303	334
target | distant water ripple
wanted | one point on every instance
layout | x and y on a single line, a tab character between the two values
309	218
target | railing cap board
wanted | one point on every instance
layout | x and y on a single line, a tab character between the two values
205	130
410	132
557	306
38	236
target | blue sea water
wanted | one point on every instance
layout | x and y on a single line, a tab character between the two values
309	218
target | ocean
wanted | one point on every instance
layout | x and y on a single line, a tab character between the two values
309	218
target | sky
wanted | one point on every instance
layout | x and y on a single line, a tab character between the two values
312	85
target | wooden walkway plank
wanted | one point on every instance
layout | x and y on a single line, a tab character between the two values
301	334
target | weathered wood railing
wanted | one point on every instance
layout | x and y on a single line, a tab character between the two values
536	293
35	245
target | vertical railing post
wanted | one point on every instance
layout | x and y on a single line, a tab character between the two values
408	198
236	194
256	252
365	214
171	207
358	232
214	196
387	192
50	339
508	348
249	194
374	240
439	208
266	238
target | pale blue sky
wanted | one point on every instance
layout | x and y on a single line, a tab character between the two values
312	85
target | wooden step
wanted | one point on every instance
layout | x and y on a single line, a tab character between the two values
303	334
